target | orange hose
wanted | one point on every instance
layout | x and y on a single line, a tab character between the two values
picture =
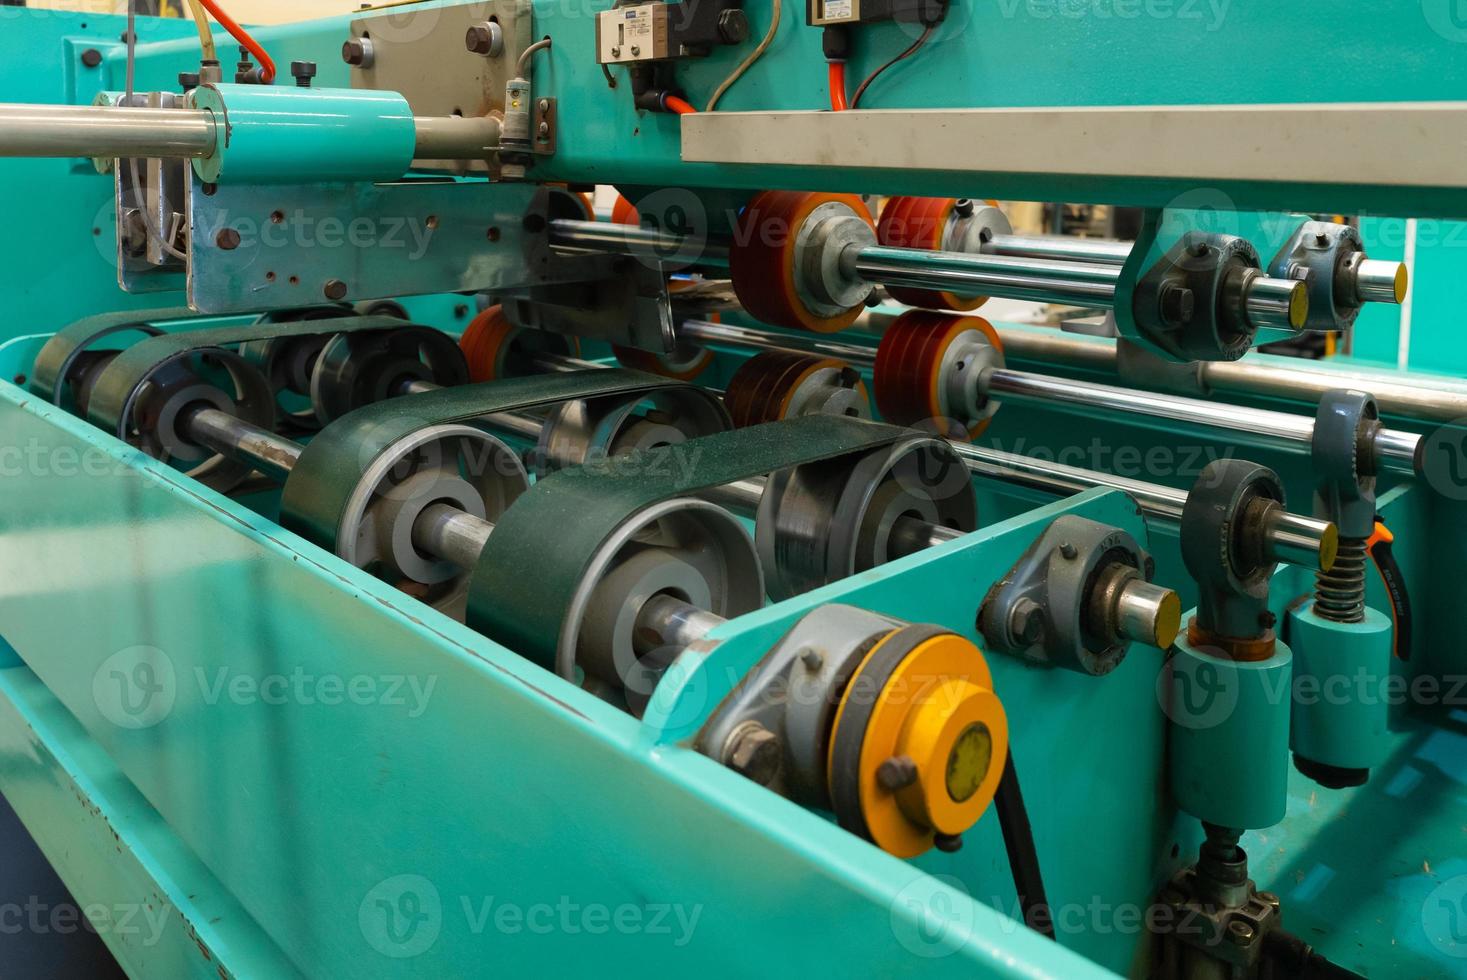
677	105
837	86
267	64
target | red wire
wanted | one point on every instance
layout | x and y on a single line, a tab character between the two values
677	105
837	86
267	64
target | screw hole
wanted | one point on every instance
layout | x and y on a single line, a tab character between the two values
432	222
493	234
276	217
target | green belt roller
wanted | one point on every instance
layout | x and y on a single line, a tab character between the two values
330	472
565	527
60	355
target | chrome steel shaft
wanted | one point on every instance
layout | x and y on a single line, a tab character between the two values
1395	449
28	130
103	131
1428	399
1266	302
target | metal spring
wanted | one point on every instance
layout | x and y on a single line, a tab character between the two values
1339	593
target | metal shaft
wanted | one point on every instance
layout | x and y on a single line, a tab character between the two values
103	131
228	435
1266	302
456	137
1395	450
1104	251
1427	399
28	130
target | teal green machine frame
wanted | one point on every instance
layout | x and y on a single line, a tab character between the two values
379	839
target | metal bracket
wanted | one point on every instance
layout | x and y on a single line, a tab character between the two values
1318	253
1049	607
619	299
792	694
1343	460
258	248
423	55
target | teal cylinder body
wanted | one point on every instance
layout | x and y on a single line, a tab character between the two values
1341	673
270	135
1229	735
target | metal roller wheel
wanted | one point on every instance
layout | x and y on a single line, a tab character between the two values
690	549
153	415
826	521
592	430
453	464
359	369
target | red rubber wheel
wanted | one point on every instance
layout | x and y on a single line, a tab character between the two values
761	260
919	222
663	364
489	342
907	377
624	212
762	388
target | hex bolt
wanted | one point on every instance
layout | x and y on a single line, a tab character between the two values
1068	551
188	80
303	72
636	50
615	51
753	751
1178	303
947	843
486	39
1270	899
812	659
1199	249
334	290
896	773
733	26
963	207
91	57
227	239
1240	933
1026	620
358	52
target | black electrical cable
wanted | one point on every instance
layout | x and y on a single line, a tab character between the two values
1018	840
911	50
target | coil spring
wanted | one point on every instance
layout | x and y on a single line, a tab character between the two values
1339	593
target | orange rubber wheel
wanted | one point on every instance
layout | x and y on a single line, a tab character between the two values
919	222
684	365
908	373
764	386
490	342
761	261
624	212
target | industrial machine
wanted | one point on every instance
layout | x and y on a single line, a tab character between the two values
415	570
